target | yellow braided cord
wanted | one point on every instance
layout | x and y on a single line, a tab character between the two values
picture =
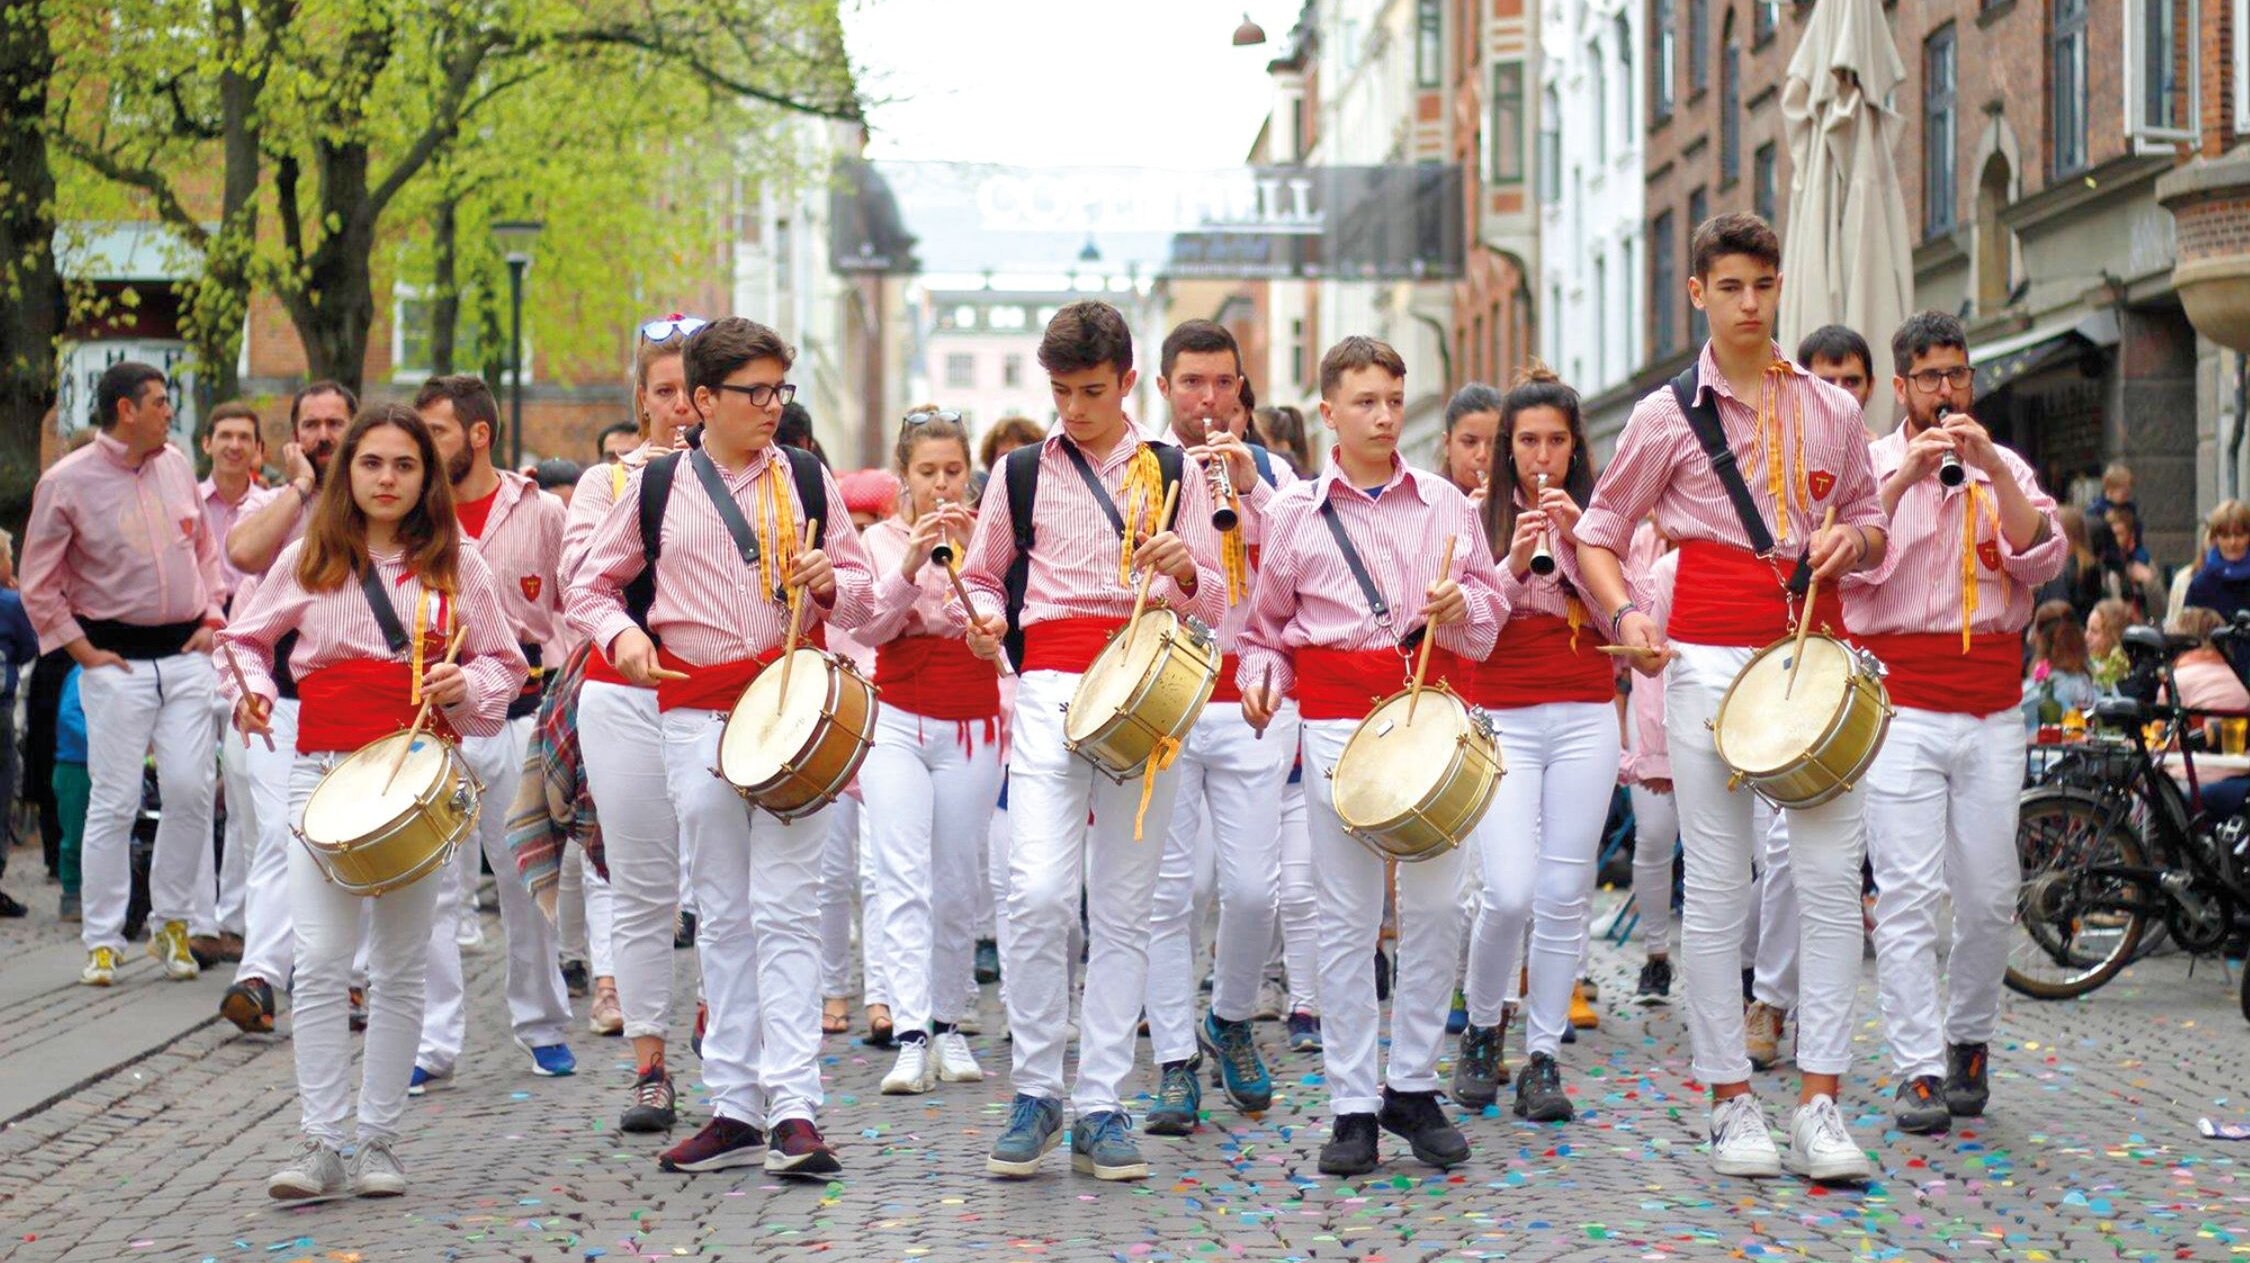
776	524
1575	610
1144	500
1234	554
414	656
1159	758
1977	501
1777	473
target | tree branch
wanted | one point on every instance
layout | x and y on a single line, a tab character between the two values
168	205
625	37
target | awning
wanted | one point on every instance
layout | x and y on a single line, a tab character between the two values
2003	362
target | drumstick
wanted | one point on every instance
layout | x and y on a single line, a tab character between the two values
796	615
242	687
1429	637
961	594
1629	651
399	760
1804	617
1148	575
666	673
1265	694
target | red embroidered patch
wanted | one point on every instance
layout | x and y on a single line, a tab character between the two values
530	585
1820	482
187	528
1988	552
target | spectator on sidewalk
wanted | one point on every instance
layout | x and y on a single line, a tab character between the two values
72	785
2116	493
2080	583
2127	572
18	645
2061	677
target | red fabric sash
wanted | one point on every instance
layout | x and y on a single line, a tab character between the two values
347	704
1731	596
1066	644
714	687
1534	664
937	677
599	670
1226	690
1928	671
1346	683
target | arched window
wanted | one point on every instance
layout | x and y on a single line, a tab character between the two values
1995	245
1597	97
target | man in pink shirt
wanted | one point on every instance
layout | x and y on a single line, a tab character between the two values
1946	613
232	445
318	416
121	571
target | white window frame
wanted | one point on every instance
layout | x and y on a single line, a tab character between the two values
2150	137
2241	52
402	293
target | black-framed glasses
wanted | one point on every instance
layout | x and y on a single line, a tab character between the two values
1929	379
923	416
762	395
670	327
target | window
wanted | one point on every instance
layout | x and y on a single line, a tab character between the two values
1698	45
1765	19
1765	182
1730	107
784	260
1011	369
1550	144
2161	61
1006	317
960	371
2067	87
1938	130
1663	54
1507	123
413	315
1621	37
1597	95
1600	327
1698	210
1663	245
964	317
1429	43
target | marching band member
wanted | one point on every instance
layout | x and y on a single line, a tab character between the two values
233	446
516	529
1946	614
1093	524
1646	773
1312	634
121	571
933	774
732	542
383	530
1552	697
1797	449
1225	775
621	742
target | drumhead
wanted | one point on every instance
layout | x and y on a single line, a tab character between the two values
1109	683
350	802
1760	731
1390	766
764	731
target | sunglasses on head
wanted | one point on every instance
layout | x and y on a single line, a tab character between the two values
670	327
924	416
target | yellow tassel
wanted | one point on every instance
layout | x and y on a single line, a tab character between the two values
1777	474
776	524
1575	611
1976	501
1797	436
1144	499
1160	757
1234	556
421	629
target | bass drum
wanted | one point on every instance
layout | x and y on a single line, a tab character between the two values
371	832
794	755
1413	791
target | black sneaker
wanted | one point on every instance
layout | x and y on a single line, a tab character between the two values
987	962
1382	974
655	1107
1921	1106
723	1142
1477	1070
576	979
1656	982
683	932
1539	1092
799	1152
1966	1087
1418	1119
1351	1146
10	906
249	1005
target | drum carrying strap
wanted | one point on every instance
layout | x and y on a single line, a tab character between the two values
1703	420
707	473
386	614
1376	605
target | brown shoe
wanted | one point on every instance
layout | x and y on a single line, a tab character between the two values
207	950
249	1005
1761	1034
230	946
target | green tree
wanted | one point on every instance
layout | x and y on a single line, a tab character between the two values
31	292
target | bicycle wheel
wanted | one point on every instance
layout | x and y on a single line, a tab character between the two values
2074	930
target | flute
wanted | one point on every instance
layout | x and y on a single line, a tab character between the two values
1542	555
1223	516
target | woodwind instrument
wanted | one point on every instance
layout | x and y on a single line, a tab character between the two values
942	551
1543	553
1223	516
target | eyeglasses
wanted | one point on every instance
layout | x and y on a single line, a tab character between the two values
762	395
1929	379
924	416
670	327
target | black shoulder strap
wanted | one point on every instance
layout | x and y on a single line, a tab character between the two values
1093	483
1020	474
812	491
1263	459
386	614
1376	605
1170	461
722	500
655	493
1703	419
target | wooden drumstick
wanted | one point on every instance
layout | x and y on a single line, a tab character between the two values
242	688
1429	637
1265	694
796	619
1804	616
422	715
1629	651
666	673
961	594
1148	574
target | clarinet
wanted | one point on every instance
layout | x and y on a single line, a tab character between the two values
1949	470
1542	556
1223	516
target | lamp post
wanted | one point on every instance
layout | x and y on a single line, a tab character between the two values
515	238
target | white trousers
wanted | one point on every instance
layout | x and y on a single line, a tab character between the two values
538	1006
1656	840
929	786
1721	839
242	817
586	914
269	939
1051	855
755	881
874	966
839	896
1538	842
167	702
1351	882
1300	903
1226	777
622	742
1941	819
328	929
1779	926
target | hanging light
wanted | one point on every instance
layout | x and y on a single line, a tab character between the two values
1248	33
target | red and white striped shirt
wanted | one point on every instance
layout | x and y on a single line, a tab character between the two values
1918	587
709	606
1254	504
1649	756
221	517
1075	551
1306	596
109	539
922	607
1660	468
337	626
598	488
522	544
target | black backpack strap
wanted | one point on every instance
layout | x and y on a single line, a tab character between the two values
655	493
386	614
1703	420
812	491
1170	460
722	502
1263	459
1020	474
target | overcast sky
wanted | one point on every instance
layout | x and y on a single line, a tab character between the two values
1054	83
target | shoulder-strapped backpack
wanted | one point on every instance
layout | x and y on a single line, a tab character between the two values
656	492
1020	470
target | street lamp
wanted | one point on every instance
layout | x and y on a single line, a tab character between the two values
1249	33
515	238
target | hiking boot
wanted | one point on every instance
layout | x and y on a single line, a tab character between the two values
1921	1106
1179	1101
655	1104
1242	1074
1655	986
1351	1146
1539	1092
1418	1119
1477	1069
1967	1086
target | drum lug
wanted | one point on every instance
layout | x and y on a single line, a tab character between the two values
1734	782
1710	725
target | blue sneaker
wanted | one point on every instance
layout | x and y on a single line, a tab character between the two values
1304	1032
1101	1145
1179	1101
422	1081
1241	1073
550	1061
1457	1019
1034	1127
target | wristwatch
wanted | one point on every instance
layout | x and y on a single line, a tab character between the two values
1617	617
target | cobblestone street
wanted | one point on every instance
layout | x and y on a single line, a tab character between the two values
2092	1152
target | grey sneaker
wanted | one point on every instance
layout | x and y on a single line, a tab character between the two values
316	1171
1034	1127
1101	1145
1477	1070
375	1170
1921	1106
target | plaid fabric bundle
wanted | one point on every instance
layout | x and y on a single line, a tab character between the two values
554	806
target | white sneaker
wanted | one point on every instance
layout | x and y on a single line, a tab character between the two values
375	1170
1821	1148
1273	1002
913	1073
955	1063
1740	1144
470	935
316	1171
